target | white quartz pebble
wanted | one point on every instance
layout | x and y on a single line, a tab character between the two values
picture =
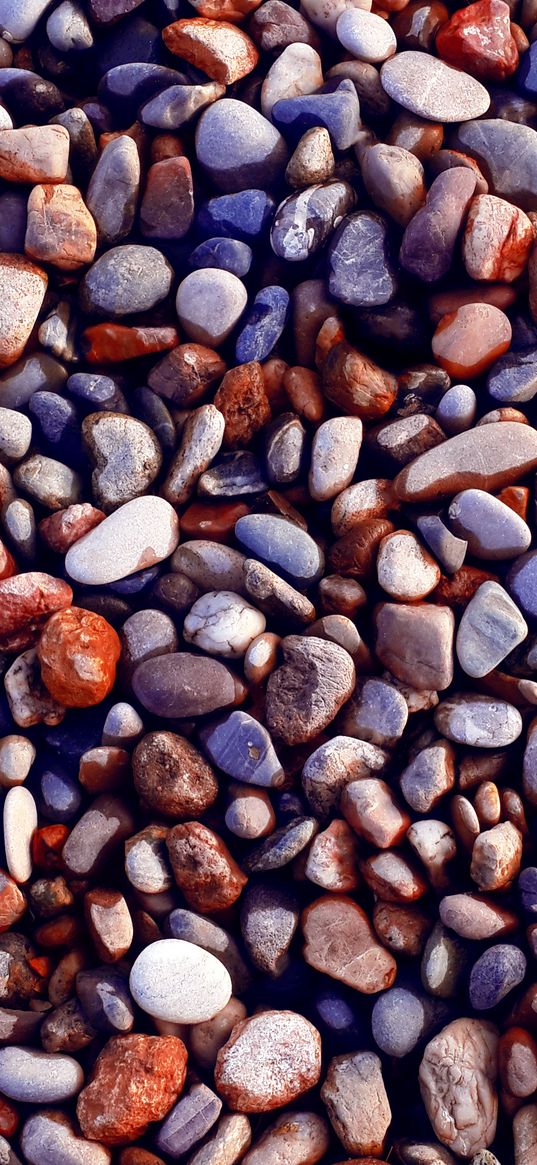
20	822
366	36
334	456
35	1077
175	980
223	623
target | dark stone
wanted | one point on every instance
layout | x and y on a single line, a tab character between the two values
242	748
265	321
513	378
269	918
430	237
126	87
31	98
338	112
149	407
245	215
236	474
227	254
526	75
13	217
57	422
507	153
282	847
497	971
527	888
61	795
105	999
360	271
99	392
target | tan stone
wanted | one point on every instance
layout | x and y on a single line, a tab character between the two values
457	1076
341	943
60	229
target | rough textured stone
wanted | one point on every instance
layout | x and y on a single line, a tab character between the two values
357	1102
269	1060
135	1080
457	1076
341	943
304	695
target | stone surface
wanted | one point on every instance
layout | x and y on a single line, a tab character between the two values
488	458
119	547
357	1103
135	1081
341	943
304	695
415	643
461	1059
22	290
238	147
491	626
269	1060
431	89
78	651
177	981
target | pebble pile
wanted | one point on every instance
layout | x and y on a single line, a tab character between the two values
268	582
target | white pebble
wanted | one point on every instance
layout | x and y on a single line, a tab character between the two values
35	1077
366	36
20	822
223	623
178	981
136	535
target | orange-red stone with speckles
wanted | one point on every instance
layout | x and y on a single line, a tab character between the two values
517	497
112	343
222	51
244	404
46	846
60	530
341	943
9	1118
457	589
497	239
469	340
8	566
478	39
26	600
12	902
78	652
135	1080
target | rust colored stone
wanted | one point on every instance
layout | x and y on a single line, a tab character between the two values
171	777
235	11
78	652
212	520
113	343
392	878
244	404
467	341
47	845
356	384
355	554
167	207
187	374
26	600
303	388
60	530
220	49
12	902
457	589
403	929
497	239
340	943
478	39
8	566
135	1081
9	1118
206	873
422	138
60	228
517	497
106	769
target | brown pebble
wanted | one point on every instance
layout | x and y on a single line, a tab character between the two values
206	873
172	777
341	943
244	404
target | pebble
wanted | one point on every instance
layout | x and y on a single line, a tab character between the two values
312	159
473	916
171	775
463	1056
318	677
77	652
19	825
29	701
22	290
444	962
263	326
405	570
304	220
337	111
126	279
222	51
135	1080
227	1145
377	712
426	636
35	1077
334	457
497	238
60	229
341	943
209	303
249	814
113	189
439	221
366	36
269	1060
496	856
429	776
193	1117
494	974
239	148
228	254
498	455
296	71
192	928
303	1137
360	271
222	623
478	721
48	1138
428	87
177	981
490	628
241	746
283	545
126	455
357	1102
118	547
204	869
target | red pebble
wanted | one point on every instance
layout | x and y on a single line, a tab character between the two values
78	652
478	39
113	343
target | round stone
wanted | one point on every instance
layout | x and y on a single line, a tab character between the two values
478	721
124	280
464	1110
431	89
366	36
34	1077
269	1060
334	457
238	147
492	530
183	684
405	570
126	455
48	1138
78	652
209	302
283	545
495	973
222	623
137	535
177	981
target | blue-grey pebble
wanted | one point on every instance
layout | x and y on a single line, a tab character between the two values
304	220
104	996
227	254
238	147
101	393
360	269
237	474
245	215
337	111
522	583
265	322
268	920
13	218
189	1121
241	746
401	1018
513	378
282	545
495	973
527	888
179	104
126	279
61	795
126	87
282	847
193	928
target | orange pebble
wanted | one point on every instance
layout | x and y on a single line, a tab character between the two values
469	340
303	387
78	652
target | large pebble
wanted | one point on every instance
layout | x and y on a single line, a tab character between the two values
457	1076
366	36
183	684
341	943
426	86
137	535
35	1077
18	18
238	147
209	303
494	974
305	693
302	1137
478	721
20	823
126	455
179	982
241	746
491	626
135	1080
282	545
415	643
492	530
269	1060
296	71
222	623
360	271
334	457
357	1102
48	1138
22	290
487	457
438	222
126	279
507	151
113	189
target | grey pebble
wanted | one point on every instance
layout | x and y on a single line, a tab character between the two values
190	1120
200	441
282	545
126	279
193	928
282	846
269	919
238	147
243	749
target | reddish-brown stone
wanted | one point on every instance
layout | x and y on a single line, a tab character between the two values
212	520
47	845
469	340
457	589
478	39
355	384
113	343
9	1118
187	374
167	207
135	1081
62	529
222	51
78	652
340	943
105	769
8	566
355	554
517	497
60	227
206	873
244	404
26	600
12	902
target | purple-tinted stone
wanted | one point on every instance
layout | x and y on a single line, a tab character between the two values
190	1120
497	971
360	271
430	237
181	685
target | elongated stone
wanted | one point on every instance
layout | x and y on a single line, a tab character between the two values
431	89
487	458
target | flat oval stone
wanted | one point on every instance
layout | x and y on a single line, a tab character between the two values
137	535
228	254
429	241
19	825
303	221
491	626
360	271
366	36
334	456
487	457
341	943
238	147
180	982
183	685
296	71
492	530
35	1077
431	89
242	748
283	545
494	974
126	279
263	325
478	721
